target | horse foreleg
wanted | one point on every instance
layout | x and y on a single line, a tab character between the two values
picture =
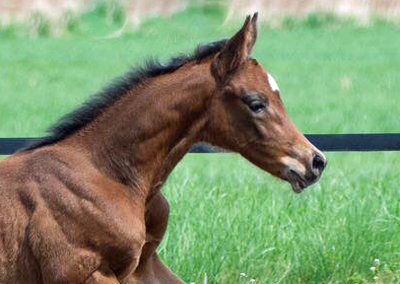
151	270
154	272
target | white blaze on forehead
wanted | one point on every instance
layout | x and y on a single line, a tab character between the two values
293	164
272	83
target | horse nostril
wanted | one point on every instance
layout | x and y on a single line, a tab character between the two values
319	162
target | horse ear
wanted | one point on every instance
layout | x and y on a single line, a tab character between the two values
236	51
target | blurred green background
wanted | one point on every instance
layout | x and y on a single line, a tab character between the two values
227	216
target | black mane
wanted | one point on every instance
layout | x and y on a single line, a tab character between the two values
88	111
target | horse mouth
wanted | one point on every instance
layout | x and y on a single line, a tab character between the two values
297	182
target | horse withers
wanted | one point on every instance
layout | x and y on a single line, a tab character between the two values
84	204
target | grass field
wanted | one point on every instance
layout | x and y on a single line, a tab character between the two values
228	217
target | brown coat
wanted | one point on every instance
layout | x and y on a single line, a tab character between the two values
84	205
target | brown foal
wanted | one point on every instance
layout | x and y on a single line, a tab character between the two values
84	204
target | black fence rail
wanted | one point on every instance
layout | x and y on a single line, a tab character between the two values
325	142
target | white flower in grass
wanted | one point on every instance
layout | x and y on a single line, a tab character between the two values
376	278
376	260
372	268
252	280
242	274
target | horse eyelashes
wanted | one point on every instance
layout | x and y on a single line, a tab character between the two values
255	102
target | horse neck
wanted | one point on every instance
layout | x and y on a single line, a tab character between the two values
140	138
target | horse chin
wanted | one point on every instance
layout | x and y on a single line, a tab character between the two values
297	182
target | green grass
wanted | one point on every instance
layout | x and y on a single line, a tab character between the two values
228	217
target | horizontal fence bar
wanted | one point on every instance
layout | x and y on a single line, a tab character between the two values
335	143
356	142
325	142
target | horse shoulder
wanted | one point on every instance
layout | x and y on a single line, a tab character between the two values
77	216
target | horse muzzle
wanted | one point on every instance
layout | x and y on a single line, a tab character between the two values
301	176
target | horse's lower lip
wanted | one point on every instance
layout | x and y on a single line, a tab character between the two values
297	186
297	182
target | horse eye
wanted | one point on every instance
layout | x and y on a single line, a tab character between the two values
254	101
256	106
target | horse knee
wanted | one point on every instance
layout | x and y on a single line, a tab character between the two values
157	214
154	271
